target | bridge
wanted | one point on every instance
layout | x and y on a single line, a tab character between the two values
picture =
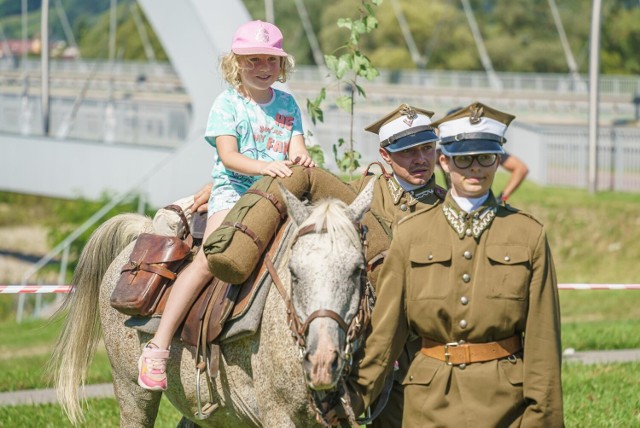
138	126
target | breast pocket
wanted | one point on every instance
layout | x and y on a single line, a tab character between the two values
430	266
509	271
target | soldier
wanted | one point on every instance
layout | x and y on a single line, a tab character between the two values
408	146
475	280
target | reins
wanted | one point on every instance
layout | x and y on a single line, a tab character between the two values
353	331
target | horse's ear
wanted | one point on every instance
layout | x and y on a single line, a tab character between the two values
297	210
361	203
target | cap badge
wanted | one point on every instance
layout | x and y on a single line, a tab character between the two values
476	115
262	35
410	114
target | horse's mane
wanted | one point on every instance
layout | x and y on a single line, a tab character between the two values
331	214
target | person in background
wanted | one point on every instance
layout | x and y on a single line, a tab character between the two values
255	130
517	169
475	280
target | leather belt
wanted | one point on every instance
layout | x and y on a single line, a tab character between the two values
455	353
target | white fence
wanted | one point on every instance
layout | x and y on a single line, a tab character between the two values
559	155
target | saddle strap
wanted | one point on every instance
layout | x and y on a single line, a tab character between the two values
149	267
271	198
250	233
178	210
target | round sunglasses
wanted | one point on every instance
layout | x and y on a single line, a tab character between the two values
484	159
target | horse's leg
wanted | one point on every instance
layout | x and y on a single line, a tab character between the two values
138	407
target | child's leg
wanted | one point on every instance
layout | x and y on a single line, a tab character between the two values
152	364
186	288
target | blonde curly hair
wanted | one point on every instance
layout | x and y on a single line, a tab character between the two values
230	68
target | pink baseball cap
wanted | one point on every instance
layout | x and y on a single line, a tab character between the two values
257	38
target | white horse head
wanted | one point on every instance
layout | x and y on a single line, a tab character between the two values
327	267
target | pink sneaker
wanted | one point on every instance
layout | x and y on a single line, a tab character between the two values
152	368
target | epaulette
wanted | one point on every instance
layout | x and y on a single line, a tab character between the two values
440	192
408	217
519	211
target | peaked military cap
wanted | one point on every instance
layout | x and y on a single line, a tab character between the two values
403	128
474	129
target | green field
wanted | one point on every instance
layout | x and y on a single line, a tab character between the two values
594	239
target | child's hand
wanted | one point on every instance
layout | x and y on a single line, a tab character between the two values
277	169
304	160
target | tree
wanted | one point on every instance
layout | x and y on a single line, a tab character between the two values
346	69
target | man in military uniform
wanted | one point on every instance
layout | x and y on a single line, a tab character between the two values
408	147
475	280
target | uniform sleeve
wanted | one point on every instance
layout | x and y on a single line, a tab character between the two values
542	349
222	119
389	330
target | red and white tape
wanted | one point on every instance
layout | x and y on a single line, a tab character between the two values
599	286
34	289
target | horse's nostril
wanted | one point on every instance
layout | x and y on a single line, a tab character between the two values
335	364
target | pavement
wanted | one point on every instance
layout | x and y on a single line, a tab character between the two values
105	390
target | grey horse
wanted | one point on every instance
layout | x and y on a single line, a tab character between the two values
265	379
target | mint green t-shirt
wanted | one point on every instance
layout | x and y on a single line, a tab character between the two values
263	132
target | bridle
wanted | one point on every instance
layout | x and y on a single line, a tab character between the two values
354	331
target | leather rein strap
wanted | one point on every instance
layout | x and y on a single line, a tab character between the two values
299	329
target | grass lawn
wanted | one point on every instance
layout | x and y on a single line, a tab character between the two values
594	239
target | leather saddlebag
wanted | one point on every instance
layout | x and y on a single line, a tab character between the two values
145	279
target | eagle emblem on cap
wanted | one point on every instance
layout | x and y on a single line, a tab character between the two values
410	114
476	114
262	35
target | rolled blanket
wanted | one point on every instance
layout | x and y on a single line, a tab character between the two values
234	249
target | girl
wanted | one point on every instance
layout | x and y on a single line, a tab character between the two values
256	130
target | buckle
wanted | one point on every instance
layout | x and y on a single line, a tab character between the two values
446	351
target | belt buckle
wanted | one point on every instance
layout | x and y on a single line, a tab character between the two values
446	351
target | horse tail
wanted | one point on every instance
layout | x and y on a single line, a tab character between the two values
78	339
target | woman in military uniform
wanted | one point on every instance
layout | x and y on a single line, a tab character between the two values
475	280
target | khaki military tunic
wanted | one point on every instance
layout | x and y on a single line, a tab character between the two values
477	278
390	204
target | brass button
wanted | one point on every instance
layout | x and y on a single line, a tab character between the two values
467	255
463	324
403	207
430	256
411	377
466	277
462	366
464	300
507	258
467	232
